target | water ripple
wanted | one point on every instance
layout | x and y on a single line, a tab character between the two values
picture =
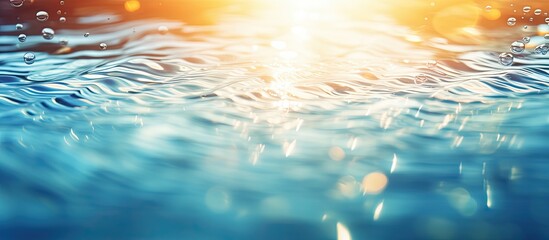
254	116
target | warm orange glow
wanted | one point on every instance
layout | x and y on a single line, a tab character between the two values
132	5
374	183
455	22
493	14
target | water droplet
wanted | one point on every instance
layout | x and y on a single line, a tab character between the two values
517	47
62	19
526	9
103	46
511	21
86	34
18	26
537	12
526	39
542	49
48	33
29	58
163	29
432	63
63	42
22	37
42	16
506	59
17	3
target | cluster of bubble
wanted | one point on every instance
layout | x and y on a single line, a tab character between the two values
518	47
47	33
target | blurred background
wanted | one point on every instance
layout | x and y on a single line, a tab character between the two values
426	15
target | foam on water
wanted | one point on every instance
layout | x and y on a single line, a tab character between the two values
270	131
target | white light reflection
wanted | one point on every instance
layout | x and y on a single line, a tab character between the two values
394	164
488	195
288	148
324	217
378	210
342	232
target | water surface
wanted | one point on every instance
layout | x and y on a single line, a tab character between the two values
263	128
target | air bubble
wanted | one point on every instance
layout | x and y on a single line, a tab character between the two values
506	59
63	42
537	12
488	8
517	47
42	16
432	63
547	20
62	19
17	3
29	58
103	46
86	34
18	26
62	2
526	39
163	29
542	49
511	21
526	9
22	37
48	33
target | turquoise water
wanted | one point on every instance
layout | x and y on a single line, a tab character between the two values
274	131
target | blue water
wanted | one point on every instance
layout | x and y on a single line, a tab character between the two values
270	132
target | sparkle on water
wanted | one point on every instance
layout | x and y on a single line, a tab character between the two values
307	126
